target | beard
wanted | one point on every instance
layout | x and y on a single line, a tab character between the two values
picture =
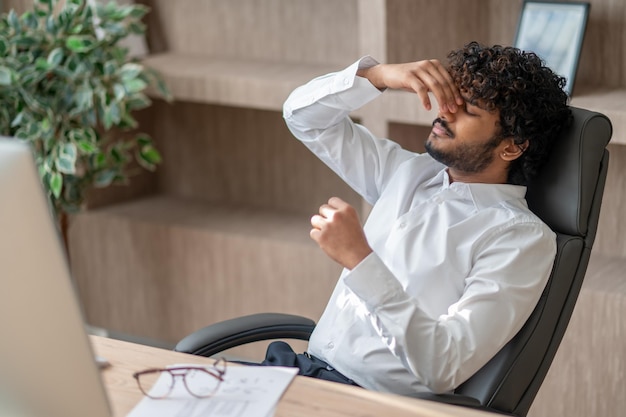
468	158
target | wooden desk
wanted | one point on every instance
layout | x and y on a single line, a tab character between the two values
305	397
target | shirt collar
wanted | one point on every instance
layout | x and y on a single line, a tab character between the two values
483	195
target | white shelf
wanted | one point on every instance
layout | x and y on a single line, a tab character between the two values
170	211
266	85
611	103
232	82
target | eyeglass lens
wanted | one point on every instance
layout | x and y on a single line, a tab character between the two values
160	383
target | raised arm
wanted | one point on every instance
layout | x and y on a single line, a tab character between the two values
420	77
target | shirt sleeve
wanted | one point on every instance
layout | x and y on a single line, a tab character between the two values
509	274
318	114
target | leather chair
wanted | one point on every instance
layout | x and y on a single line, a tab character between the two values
567	195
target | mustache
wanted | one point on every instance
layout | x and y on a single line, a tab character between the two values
444	126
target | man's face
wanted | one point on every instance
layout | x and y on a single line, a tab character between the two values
466	140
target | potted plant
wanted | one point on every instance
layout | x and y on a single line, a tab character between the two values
68	86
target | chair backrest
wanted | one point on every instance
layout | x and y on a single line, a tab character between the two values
567	196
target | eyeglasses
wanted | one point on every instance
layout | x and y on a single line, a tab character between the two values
199	381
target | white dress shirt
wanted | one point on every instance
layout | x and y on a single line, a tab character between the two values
456	268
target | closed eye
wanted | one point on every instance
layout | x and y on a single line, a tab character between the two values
470	110
473	110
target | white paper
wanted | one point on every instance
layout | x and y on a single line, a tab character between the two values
247	391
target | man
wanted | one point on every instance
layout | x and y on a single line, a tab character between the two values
450	262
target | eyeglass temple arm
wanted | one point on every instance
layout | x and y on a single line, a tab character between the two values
223	335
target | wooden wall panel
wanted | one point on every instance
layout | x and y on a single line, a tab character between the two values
162	279
240	156
424	29
410	137
603	57
294	30
503	18
20	6
610	239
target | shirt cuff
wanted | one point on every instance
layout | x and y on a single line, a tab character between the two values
372	282
339	84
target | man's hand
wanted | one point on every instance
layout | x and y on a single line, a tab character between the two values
338	231
420	77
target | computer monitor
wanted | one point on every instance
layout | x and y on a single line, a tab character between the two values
47	364
554	30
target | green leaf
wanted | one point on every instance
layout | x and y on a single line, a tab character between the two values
86	147
63	73
83	98
66	161
55	183
135	85
90	135
14	21
149	157
119	91
51	26
4	46
130	71
69	150
128	122
55	57
65	165
42	64
138	101
25	41
76	135
30	19
137	28
5	76
18	119
138	11
117	156
112	115
143	139
80	43
99	161
104	178
110	67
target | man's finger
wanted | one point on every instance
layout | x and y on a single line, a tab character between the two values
318	222
315	234
438	81
337	202
422	92
327	211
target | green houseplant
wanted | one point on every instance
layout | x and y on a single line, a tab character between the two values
69	88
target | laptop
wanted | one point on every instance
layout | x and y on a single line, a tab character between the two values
47	364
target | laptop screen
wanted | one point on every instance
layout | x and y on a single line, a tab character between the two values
47	365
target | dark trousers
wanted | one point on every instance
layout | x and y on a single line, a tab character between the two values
281	354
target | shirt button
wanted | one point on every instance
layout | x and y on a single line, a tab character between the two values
330	345
346	81
402	225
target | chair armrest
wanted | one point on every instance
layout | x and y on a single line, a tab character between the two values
459	400
223	335
455	399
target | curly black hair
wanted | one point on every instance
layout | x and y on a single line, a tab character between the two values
528	94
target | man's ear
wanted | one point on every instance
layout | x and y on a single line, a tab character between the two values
510	151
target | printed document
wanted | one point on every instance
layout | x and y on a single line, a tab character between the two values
247	391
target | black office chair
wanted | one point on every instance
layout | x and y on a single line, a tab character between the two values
567	196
